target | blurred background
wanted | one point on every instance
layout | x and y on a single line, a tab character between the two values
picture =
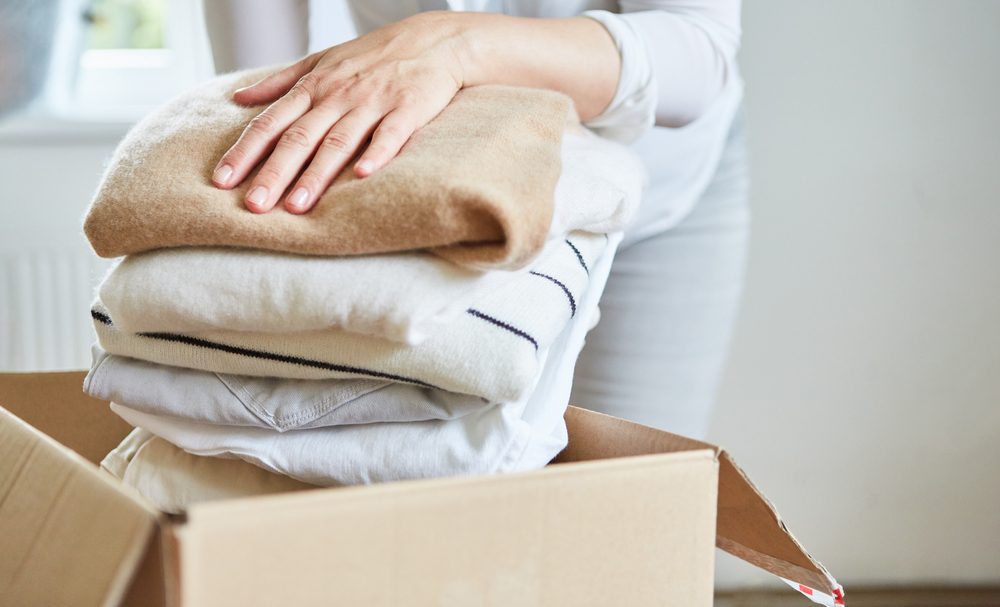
863	388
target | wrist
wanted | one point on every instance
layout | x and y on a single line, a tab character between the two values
576	55
448	36
473	42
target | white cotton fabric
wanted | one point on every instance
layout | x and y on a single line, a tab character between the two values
676	54
118	460
679	70
600	186
267	402
687	158
506	437
632	111
673	297
490	441
404	297
490	351
173	479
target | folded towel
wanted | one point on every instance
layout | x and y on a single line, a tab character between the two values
475	184
173	479
491	351
267	402
404	297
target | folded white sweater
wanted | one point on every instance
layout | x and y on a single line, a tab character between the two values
492	350
404	297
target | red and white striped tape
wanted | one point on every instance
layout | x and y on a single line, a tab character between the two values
816	596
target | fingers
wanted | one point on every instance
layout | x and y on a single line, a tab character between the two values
260	136
335	151
275	85
327	106
290	154
389	137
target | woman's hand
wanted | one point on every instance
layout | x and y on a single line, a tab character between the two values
389	83
384	85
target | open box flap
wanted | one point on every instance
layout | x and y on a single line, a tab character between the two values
56	404
748	526
70	536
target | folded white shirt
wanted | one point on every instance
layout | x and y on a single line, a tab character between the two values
491	350
403	297
506	437
486	442
173	479
266	402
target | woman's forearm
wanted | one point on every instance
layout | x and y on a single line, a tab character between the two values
576	56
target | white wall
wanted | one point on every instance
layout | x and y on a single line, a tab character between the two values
863	392
863	389
47	269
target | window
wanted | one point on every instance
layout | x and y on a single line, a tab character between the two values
115	60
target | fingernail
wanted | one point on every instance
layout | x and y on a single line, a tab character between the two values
298	197
366	166
257	196
222	174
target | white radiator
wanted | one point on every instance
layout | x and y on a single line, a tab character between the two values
45	297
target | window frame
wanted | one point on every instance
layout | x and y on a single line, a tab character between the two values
122	85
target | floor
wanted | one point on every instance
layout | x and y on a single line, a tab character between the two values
870	597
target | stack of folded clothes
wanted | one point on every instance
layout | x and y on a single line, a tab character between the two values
421	322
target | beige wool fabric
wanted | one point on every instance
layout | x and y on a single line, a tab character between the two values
475	185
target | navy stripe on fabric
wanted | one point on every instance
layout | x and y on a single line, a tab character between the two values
104	318
503	325
572	302
293	360
579	256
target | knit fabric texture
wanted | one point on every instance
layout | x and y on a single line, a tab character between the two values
492	350
405	296
475	185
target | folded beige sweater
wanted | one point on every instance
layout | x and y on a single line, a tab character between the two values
475	185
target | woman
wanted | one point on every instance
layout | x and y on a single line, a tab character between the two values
661	76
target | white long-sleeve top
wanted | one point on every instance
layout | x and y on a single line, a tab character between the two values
679	73
676	54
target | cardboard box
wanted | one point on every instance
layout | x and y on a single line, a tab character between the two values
628	515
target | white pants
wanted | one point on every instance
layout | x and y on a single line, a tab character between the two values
668	311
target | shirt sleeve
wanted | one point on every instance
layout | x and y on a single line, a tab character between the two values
676	58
